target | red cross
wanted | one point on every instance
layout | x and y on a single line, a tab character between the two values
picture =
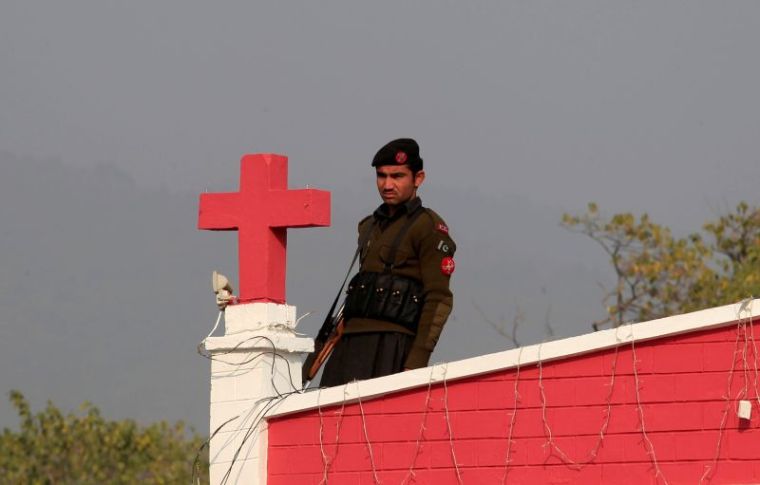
261	212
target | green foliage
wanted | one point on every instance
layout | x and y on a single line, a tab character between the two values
659	275
52	448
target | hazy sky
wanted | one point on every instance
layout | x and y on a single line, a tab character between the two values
115	115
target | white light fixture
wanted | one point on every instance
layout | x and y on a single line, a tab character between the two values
222	290
745	409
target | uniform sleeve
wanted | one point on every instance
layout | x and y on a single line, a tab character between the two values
436	253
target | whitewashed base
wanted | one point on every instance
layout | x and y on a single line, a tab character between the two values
258	358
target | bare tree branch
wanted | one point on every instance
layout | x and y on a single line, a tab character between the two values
501	326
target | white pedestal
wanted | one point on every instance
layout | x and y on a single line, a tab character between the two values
258	359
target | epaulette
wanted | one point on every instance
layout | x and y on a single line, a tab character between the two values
367	220
438	223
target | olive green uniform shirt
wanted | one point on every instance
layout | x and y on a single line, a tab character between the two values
425	254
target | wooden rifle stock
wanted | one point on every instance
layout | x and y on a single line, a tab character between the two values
327	338
326	350
332	328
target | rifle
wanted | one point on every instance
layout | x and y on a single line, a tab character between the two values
332	328
327	338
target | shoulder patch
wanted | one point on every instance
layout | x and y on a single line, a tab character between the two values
442	228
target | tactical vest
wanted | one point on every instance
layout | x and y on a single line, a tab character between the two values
386	296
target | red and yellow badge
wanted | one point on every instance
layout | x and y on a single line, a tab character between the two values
441	227
400	157
448	265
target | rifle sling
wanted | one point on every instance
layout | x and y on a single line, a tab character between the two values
326	330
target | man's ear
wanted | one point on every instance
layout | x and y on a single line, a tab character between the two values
419	177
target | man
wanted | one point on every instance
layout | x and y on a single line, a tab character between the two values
397	304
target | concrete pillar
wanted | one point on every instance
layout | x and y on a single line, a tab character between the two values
258	359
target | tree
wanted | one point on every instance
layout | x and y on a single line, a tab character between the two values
658	274
52	448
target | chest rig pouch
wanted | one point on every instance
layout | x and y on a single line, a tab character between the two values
386	296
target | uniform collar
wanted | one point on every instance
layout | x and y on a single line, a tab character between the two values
382	212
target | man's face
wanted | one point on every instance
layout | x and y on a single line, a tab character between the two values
396	183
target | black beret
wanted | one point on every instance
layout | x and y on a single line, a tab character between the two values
402	151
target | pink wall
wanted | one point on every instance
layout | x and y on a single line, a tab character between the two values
682	384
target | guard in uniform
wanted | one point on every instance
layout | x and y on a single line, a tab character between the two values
398	302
